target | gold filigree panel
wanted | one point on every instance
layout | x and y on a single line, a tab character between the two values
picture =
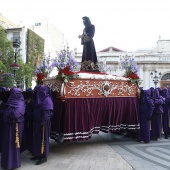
92	88
100	88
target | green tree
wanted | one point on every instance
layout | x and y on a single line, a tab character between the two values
6	48
35	50
3	68
25	72
7	81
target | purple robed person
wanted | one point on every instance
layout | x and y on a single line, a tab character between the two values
2	106
167	101
146	107
42	113
152	90
165	116
89	52
29	124
156	126
13	124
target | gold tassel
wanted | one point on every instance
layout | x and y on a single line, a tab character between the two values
42	146
17	137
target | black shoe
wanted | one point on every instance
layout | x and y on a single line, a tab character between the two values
34	158
166	136
153	138
60	139
41	161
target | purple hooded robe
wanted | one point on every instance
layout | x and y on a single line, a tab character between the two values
146	107
13	117
165	116
42	113
89	51
156	127
28	124
2	106
3	99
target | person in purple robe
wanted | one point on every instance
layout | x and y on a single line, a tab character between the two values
28	124
146	107
156	125
42	113
165	116
13	125
2	105
89	51
152	90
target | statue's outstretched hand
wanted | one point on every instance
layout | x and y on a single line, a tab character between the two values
80	36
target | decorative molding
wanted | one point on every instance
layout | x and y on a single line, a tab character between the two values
92	88
106	88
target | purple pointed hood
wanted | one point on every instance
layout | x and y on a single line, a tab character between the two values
164	92
43	98
16	99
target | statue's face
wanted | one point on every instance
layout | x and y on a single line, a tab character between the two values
84	22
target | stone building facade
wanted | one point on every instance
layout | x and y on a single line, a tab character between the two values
153	64
5	23
54	38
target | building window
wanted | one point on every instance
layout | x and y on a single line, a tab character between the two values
166	77
38	24
16	36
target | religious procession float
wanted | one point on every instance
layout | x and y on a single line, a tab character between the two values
88	100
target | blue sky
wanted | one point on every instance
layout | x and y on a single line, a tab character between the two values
124	24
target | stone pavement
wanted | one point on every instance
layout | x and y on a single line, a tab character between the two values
104	152
152	156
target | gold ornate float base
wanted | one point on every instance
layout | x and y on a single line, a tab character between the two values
92	88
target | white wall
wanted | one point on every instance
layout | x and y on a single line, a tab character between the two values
147	60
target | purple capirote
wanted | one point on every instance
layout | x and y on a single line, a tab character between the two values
42	113
12	114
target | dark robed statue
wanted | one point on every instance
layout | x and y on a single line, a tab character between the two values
89	52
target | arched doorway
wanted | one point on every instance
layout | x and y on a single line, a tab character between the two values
165	81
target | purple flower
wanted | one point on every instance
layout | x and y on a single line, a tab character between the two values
128	63
64	59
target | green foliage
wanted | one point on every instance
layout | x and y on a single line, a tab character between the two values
6	48
2	67
35	51
35	48
66	78
7	81
24	72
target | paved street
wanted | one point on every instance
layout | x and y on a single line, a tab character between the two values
104	152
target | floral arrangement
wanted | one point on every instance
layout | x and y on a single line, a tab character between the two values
66	64
40	77
43	70
64	59
102	66
40	73
131	70
66	74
